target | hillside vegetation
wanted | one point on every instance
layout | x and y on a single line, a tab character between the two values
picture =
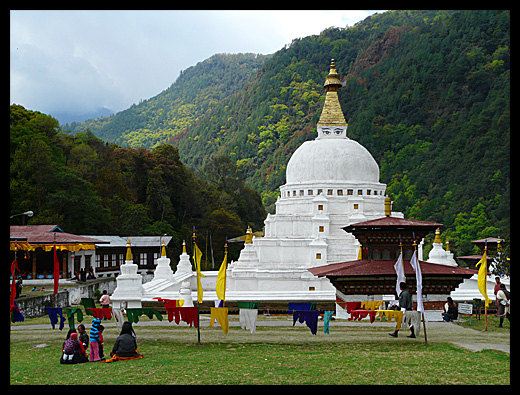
426	92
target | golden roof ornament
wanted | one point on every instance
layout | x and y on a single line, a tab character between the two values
332	115
163	249
437	236
249	235
128	250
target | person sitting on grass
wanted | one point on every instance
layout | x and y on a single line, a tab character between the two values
72	350
125	347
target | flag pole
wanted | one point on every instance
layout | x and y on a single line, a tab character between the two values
485	287
225	277
194	238
422	313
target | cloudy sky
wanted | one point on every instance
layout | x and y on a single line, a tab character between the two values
76	61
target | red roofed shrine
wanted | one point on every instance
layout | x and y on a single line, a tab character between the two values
374	273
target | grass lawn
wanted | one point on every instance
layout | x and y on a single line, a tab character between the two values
274	355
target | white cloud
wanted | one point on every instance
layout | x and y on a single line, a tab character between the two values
80	60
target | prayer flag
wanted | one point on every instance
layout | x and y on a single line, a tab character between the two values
482	277
414	262
198	255
399	269
56	272
221	279
14	266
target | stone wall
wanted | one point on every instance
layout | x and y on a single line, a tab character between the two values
34	306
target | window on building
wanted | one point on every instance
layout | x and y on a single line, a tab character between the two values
340	192
309	192
356	206
301	192
329	191
113	261
318	255
350	191
321	228
320	191
368	191
360	192
294	193
320	207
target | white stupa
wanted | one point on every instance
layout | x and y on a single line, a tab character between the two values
438	254
331	182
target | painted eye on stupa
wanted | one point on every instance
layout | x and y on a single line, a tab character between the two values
327	132
338	132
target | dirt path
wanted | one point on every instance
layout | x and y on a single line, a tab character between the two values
280	329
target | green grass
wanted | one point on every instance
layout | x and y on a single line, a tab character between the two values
479	325
274	355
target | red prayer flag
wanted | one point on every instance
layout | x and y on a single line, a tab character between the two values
56	271
14	266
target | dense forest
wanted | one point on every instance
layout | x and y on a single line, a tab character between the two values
192	96
426	92
87	187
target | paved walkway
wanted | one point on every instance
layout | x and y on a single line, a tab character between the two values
437	332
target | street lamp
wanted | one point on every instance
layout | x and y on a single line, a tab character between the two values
28	213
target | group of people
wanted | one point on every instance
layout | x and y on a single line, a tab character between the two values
450	313
74	349
502	298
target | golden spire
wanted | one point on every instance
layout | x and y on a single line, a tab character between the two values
447	244
332	115
249	235
388	206
128	250
184	246
163	249
437	236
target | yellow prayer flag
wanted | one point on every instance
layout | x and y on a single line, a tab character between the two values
221	279
482	277
197	257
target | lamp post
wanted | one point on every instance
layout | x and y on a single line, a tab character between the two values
28	213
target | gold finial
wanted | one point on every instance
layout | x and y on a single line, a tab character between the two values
388	206
448	245
163	250
499	245
128	250
332	115
437	236
184	246
249	235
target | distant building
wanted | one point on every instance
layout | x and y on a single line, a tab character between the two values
103	254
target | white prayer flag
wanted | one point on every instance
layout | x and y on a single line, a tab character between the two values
414	262
399	269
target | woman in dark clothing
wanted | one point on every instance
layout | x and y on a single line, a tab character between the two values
451	312
125	345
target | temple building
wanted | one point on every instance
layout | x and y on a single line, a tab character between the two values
331	181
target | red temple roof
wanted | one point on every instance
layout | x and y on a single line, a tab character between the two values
386	268
392	222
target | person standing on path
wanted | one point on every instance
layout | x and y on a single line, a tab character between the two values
405	302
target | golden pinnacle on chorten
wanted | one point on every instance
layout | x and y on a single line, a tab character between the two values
332	115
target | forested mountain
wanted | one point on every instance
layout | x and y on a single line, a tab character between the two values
193	95
87	186
426	92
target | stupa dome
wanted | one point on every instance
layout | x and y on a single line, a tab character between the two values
332	156
334	159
